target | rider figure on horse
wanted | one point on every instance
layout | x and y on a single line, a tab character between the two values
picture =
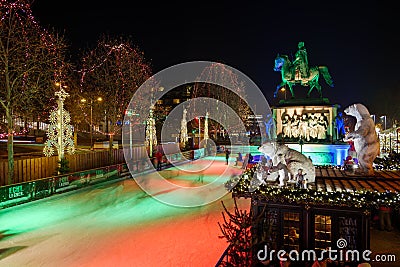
301	70
299	73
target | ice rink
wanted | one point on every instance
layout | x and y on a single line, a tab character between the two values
118	224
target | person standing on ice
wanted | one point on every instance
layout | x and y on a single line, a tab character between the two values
159	160
227	153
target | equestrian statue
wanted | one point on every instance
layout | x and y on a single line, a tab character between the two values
298	72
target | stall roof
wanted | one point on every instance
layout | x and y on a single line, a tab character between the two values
331	179
332	187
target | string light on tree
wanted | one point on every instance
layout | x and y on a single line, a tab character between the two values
218	73
33	58
60	132
116	68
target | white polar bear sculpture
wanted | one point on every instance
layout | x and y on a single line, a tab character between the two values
366	142
294	159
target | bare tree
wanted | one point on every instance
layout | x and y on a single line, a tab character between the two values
31	61
114	70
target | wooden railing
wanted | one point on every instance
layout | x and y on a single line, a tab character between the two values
32	169
19	193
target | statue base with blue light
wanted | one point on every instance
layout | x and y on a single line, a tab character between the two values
311	126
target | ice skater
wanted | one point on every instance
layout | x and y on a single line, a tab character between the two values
200	178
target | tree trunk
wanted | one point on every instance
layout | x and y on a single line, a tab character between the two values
76	136
10	147
107	133
110	147
26	126
110	144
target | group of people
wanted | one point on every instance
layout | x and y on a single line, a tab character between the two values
248	158
307	126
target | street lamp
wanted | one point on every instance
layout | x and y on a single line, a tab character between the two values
199	131
283	89
384	117
373	117
83	100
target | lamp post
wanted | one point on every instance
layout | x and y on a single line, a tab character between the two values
384	117
373	117
199	131
301	143
206	127
99	99
283	89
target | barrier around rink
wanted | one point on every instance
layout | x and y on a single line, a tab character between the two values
20	193
16	194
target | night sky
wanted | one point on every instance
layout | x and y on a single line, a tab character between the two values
358	42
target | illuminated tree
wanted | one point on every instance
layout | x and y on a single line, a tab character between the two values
113	70
31	61
218	73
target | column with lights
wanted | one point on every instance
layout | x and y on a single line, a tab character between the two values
184	134
151	134
206	127
60	131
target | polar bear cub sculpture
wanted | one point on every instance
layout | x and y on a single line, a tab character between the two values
366	142
294	159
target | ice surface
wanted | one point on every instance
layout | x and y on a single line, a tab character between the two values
117	225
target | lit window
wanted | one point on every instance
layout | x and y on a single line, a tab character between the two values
291	230
176	101
159	102
323	233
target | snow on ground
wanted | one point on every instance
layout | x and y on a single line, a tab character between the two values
118	224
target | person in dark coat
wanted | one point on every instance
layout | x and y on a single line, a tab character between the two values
227	153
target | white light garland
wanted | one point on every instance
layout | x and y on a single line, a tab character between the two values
60	131
151	134
184	133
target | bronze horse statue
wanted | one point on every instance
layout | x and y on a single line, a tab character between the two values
290	76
